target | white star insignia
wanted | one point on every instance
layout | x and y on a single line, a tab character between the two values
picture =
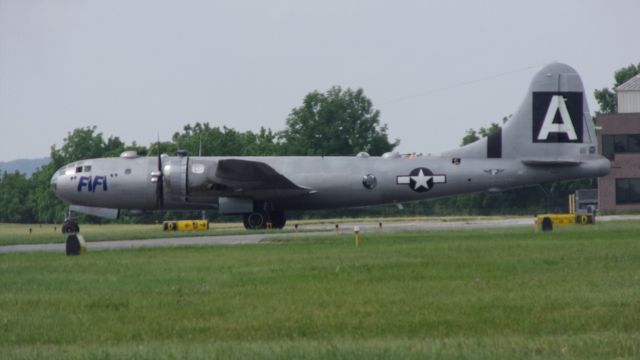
421	180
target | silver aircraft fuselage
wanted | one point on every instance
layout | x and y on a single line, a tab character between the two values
328	182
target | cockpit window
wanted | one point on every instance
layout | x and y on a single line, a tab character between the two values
87	168
78	169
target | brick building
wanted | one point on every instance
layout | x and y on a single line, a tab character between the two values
619	138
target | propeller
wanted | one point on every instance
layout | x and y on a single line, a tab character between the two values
160	183
157	177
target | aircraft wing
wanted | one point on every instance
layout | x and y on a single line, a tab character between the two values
253	176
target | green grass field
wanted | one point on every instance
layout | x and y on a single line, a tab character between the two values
481	294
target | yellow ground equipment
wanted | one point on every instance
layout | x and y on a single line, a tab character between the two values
546	222
185	225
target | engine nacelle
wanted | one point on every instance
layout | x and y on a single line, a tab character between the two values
174	170
186	180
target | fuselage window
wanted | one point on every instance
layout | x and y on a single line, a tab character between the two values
127	171
87	168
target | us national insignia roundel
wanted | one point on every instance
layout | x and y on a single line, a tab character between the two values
421	179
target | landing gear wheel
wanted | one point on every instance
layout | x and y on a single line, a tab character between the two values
278	219
72	245
75	245
70	227
255	221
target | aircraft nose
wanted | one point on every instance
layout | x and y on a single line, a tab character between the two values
54	182
60	184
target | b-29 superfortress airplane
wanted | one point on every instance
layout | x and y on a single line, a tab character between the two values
551	137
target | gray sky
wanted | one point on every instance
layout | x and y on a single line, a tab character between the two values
138	68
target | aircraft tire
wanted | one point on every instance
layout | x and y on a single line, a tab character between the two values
70	227
254	221
72	245
278	219
547	224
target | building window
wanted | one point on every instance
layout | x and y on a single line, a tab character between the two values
633	143
628	191
607	147
619	144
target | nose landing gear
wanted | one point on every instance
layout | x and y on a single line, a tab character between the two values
70	225
75	244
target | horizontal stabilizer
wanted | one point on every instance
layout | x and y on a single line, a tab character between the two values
551	162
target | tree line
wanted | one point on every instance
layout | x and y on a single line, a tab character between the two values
336	122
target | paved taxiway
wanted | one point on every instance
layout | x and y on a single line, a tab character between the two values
316	230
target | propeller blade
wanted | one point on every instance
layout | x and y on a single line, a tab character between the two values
160	182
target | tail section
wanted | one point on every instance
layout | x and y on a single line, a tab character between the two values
552	126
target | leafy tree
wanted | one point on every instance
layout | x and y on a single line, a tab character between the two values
14	190
263	143
607	98
85	143
337	122
139	149
216	141
46	206
472	135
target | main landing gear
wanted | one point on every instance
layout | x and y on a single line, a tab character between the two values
261	219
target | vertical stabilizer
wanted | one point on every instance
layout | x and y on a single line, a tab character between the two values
552	125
